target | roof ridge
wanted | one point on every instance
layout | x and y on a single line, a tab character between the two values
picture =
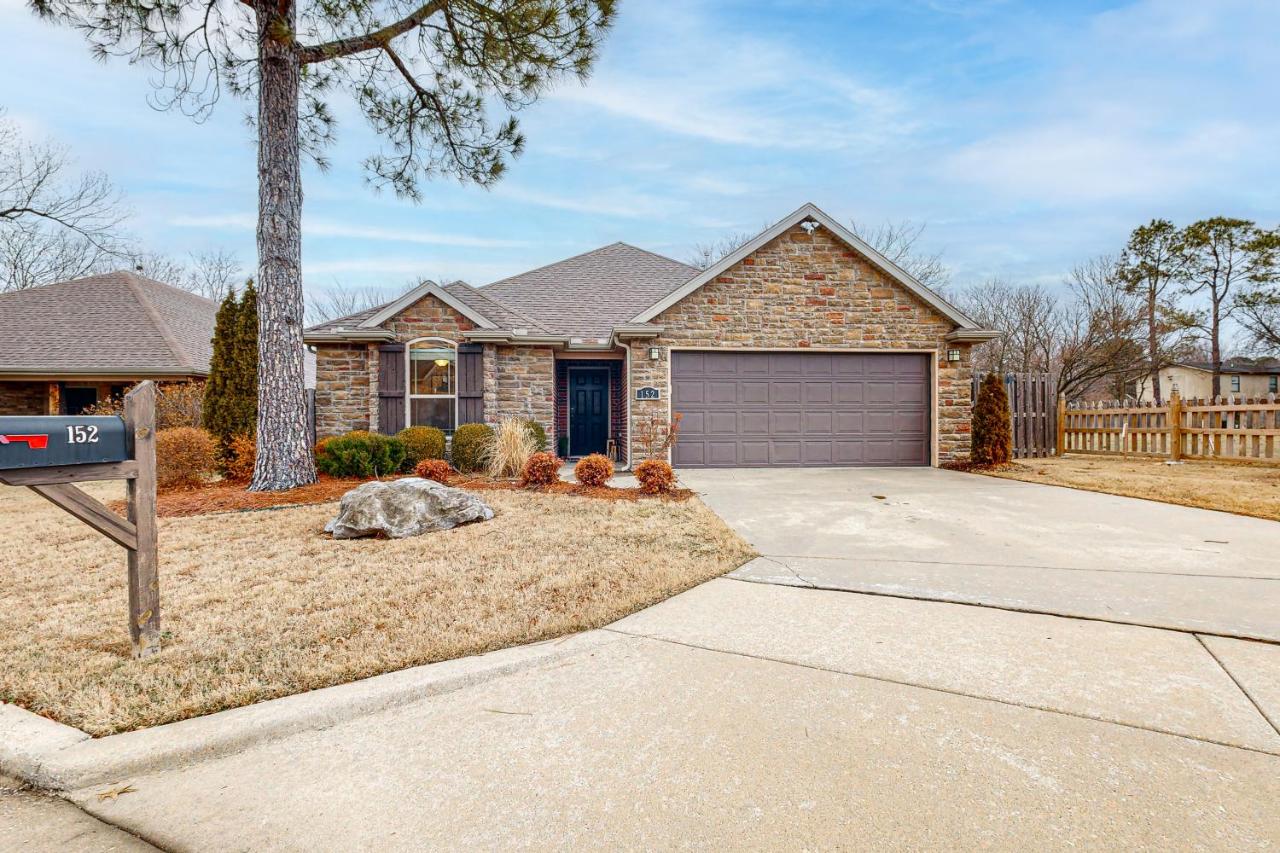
692	269
162	326
524	273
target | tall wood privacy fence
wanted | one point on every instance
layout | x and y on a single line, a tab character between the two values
1033	402
1223	428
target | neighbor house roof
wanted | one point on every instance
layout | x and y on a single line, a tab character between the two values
1244	367
605	294
117	323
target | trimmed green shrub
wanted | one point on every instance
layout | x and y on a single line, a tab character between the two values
538	434
471	443
421	442
992	424
360	454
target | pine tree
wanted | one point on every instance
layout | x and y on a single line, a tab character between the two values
992	424
216	416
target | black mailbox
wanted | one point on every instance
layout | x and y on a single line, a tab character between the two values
37	442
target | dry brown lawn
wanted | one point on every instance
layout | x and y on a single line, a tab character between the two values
1242	488
258	605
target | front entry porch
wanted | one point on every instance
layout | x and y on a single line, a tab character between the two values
591	408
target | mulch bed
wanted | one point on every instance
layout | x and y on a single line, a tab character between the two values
966	465
234	497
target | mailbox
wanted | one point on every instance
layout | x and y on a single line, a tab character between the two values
38	442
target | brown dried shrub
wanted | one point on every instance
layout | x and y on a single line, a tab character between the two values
593	470
434	469
655	476
185	456
542	469
239	458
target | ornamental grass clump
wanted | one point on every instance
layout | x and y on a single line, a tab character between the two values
992	424
511	448
593	470
434	469
542	469
471	444
655	476
421	442
360	453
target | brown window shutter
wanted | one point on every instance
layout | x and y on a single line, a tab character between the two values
470	384
391	385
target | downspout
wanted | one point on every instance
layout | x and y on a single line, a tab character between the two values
626	397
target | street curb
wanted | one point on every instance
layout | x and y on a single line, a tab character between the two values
56	757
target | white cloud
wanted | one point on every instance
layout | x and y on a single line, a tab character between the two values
323	228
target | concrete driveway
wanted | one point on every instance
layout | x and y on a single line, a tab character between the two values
767	715
949	536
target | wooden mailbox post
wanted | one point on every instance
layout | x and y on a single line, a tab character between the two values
48	454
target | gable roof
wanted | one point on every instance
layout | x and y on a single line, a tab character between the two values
589	294
809	212
114	323
427	288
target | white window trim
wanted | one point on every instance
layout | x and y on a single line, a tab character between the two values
409	396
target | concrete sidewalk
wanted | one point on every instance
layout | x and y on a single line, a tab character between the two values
746	715
949	536
32	822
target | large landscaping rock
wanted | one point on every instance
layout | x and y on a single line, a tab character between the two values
401	508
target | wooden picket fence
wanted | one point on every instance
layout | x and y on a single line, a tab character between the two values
1222	428
1033	405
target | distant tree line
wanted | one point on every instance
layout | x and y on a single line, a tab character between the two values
1167	296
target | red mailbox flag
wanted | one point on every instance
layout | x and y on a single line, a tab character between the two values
35	442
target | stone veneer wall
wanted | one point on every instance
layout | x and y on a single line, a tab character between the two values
343	388
806	290
523	385
24	398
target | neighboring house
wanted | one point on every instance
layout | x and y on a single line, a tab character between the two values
1241	377
805	346
64	347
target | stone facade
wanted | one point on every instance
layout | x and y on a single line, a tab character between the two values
24	398
524	386
343	389
801	291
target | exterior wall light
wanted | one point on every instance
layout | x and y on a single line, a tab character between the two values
654	353
953	355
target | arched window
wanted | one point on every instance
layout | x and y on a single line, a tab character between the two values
433	383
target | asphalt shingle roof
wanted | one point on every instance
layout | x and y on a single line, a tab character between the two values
583	296
118	322
588	294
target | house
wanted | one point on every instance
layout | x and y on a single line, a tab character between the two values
1241	377
803	347
64	347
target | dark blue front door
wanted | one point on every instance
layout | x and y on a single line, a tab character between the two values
588	411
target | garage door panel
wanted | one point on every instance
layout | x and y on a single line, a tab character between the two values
689	392
753	391
801	408
818	423
753	423
818	393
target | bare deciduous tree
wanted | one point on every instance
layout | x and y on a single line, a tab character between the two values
899	242
1088	340
54	224
210	273
705	254
334	302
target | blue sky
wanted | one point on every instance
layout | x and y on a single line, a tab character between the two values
1027	135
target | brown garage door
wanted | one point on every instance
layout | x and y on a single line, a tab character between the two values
752	409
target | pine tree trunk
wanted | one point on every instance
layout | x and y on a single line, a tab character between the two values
1215	348
284	454
1153	347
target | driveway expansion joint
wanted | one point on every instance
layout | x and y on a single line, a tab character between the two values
1252	701
917	686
